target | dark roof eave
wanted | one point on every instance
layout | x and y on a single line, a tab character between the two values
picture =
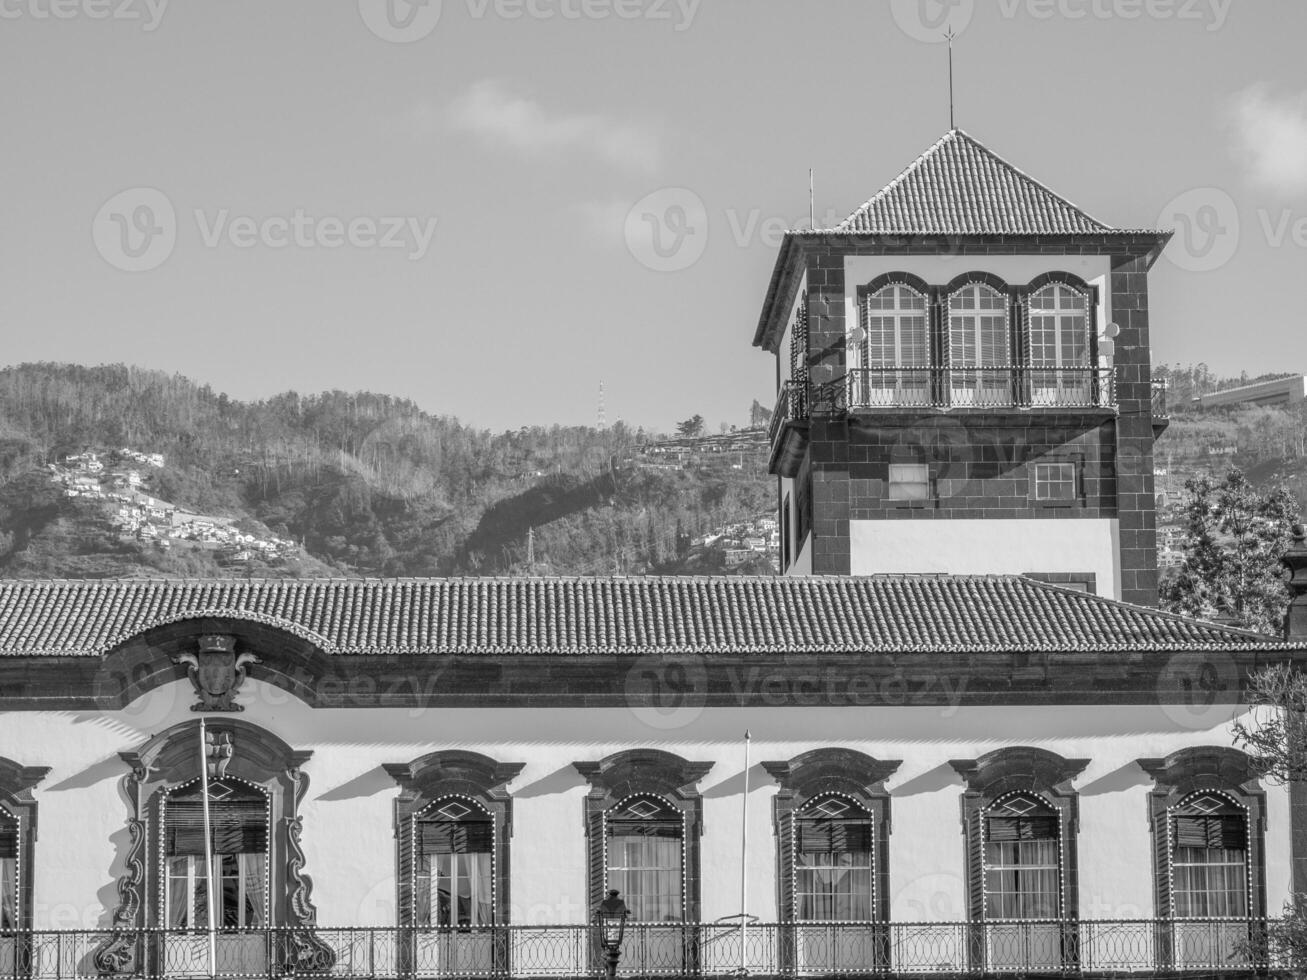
775	311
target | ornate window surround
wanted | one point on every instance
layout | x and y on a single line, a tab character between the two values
821	772
439	776
644	772
1219	770
16	784
1035	772
165	763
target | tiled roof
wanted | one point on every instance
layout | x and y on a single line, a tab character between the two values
876	614
961	187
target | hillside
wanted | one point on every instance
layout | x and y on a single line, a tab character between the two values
1269	444
332	484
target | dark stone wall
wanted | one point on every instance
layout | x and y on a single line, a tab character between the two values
849	458
979	468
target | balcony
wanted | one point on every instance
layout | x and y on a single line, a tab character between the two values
1088	948
1003	388
1161	413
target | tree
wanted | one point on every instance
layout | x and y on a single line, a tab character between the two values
759	415
1274	734
691	427
1234	537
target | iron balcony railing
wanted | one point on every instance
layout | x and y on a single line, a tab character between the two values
691	950
1160	409
999	387
791	406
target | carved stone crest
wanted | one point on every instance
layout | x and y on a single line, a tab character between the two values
217	672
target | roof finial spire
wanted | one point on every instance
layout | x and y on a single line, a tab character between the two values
949	35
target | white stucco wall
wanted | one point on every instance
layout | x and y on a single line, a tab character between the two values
348	834
989	547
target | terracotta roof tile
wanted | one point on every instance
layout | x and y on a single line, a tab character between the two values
876	614
961	187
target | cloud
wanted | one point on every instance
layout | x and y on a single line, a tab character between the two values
1270	138
605	220
491	110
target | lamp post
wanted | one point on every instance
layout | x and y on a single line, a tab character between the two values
611	919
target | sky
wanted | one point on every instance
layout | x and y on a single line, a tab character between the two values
492	207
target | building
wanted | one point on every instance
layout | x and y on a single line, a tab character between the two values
966	383
1281	392
1007	771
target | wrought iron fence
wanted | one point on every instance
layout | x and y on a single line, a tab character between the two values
807	949
1161	410
1003	386
791	406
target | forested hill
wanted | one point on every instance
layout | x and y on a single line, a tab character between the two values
362	484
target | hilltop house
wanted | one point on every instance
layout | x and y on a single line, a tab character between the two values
976	746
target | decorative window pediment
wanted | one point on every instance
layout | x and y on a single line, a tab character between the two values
1020	818
643	818
1208	817
453	822
258	854
832	822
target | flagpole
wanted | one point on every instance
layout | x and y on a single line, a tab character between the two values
744	861
208	845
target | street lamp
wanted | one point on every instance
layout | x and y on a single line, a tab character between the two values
611	919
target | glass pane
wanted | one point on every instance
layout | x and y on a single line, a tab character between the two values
647	870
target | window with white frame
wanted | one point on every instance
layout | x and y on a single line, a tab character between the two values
895	349
236	847
909	481
1055	481
978	340
1022	859
834	861
1059	356
645	858
1209	857
453	865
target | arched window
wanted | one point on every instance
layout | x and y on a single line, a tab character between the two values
453	866
834	861
895	348
1023	859
645	857
237	847
1209	857
256	782
979	349
1058	332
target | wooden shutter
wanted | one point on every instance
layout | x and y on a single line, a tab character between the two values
598	873
1219	832
407	855
1022	828
976	865
1162	864
785	859
834	835
455	837
236	826
644	828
